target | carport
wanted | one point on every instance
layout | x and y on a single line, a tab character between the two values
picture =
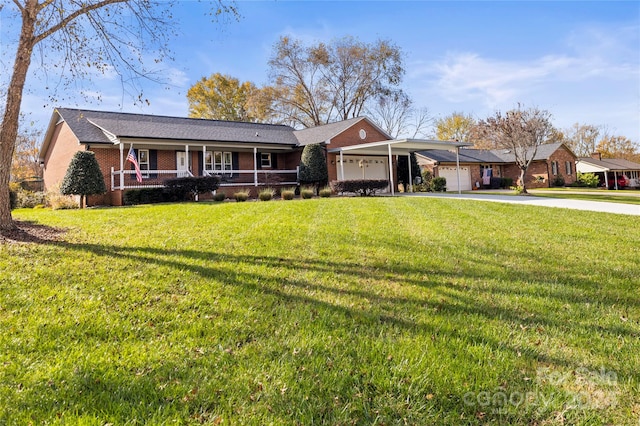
607	166
398	147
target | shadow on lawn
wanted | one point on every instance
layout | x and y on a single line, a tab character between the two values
441	299
445	294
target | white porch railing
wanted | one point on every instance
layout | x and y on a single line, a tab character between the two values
126	179
230	178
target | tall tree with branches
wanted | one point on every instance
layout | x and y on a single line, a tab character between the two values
76	37
323	83
520	131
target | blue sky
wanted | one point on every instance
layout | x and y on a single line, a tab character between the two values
579	60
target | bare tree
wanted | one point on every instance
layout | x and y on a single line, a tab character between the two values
76	37
583	138
323	83
397	116
520	131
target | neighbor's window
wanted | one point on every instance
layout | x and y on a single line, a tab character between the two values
567	167
265	159
143	161
554	168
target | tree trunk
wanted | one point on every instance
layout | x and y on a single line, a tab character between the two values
522	181
10	121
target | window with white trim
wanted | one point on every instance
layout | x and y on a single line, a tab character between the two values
568	168
265	159
218	161
554	168
143	162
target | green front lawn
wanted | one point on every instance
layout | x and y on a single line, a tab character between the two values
325	311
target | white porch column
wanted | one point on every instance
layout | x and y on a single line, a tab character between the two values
458	167
255	166
121	166
186	153
615	179
410	174
204	158
393	192
341	166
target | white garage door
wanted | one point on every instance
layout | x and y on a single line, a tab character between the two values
364	167
451	175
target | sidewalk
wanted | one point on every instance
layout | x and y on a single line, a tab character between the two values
594	206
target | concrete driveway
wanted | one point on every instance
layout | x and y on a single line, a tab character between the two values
594	206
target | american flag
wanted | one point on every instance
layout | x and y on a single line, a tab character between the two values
131	157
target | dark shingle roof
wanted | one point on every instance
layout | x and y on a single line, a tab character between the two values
488	156
613	163
87	125
321	134
544	152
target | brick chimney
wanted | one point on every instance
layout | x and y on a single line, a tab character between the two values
596	156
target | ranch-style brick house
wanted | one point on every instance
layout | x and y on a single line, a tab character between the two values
478	166
243	155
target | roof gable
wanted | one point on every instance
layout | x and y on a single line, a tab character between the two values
326	132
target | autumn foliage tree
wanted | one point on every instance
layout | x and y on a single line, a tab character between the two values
222	97
455	127
74	38
520	131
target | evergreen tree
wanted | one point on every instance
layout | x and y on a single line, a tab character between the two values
313	165
83	177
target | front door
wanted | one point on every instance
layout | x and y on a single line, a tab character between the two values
182	166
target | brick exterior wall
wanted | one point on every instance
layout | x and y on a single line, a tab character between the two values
351	137
63	146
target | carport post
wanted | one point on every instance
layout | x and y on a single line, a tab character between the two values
615	179
255	166
390	169
341	166
458	167
410	174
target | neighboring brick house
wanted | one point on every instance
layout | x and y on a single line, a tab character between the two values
552	163
613	173
244	155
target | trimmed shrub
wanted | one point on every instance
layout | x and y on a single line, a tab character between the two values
313	165
558	181
506	183
266	194
288	193
590	180
325	192
193	185
58	201
438	184
83	177
219	196
241	196
146	196
29	199
307	193
362	187
495	182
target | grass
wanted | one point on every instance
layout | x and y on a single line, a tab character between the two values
323	311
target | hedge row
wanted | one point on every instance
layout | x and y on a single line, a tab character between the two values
179	189
362	187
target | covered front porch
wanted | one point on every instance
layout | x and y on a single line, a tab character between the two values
237	165
388	151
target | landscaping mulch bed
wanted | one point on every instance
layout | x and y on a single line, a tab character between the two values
29	232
